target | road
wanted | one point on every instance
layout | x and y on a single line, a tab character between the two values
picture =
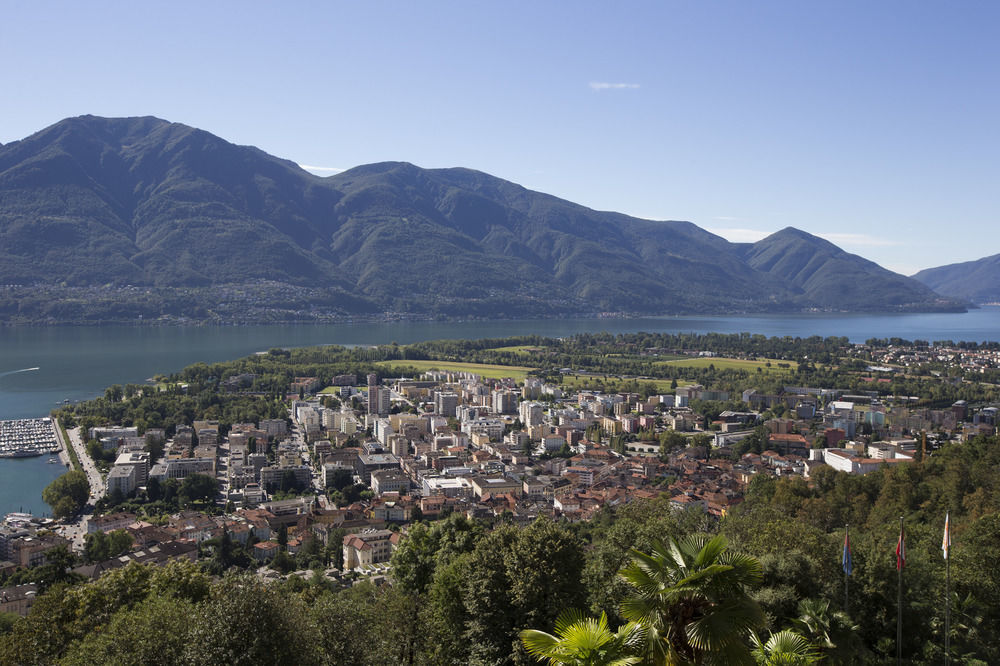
75	531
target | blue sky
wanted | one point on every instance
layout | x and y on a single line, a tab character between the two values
874	125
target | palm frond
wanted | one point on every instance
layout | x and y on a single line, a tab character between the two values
538	643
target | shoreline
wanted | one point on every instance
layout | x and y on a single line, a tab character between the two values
398	317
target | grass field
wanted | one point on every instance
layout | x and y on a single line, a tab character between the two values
516	372
734	364
518	349
615	384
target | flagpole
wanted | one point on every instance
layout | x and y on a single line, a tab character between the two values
947	611
946	549
847	573
900	553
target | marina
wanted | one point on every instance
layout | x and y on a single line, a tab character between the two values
23	438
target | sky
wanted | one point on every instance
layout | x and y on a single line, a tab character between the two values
871	124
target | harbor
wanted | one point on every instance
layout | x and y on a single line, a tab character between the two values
25	438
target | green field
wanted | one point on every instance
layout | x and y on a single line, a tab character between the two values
335	389
515	372
734	364
615	384
518	349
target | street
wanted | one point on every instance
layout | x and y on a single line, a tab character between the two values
76	530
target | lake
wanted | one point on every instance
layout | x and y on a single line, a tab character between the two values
40	367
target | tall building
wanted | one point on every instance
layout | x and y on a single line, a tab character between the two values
531	414
504	402
445	404
373	395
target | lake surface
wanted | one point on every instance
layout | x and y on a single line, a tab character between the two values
41	367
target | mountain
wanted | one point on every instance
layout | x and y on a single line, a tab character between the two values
123	217
976	281
820	272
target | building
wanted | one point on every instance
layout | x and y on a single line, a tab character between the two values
345	380
368	547
365	464
446	486
445	404
181	468
492	428
121	479
274	427
110	522
137	459
846	461
272	477
485	487
389	481
504	402
531	414
31	551
265	551
378	397
18	599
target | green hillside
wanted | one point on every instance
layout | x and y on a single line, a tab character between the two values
120	203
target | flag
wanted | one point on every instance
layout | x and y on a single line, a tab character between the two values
946	540
901	550
845	559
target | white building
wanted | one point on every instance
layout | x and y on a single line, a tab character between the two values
368	547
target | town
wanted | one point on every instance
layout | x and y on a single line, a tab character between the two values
334	485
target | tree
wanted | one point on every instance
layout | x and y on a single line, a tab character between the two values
427	549
784	648
154	632
283	562
581	641
153	490
832	632
516	579
671	440
226	553
100	546
246	622
67	494
691	595
283	536
197	487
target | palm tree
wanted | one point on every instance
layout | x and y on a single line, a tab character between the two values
692	598
785	648
831	631
581	641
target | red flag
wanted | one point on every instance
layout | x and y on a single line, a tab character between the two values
901	550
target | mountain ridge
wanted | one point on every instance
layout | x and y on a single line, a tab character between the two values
977	281
144	202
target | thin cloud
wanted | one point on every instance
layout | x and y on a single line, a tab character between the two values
859	240
605	85
727	218
320	170
738	235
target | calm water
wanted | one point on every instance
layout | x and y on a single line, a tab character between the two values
41	367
